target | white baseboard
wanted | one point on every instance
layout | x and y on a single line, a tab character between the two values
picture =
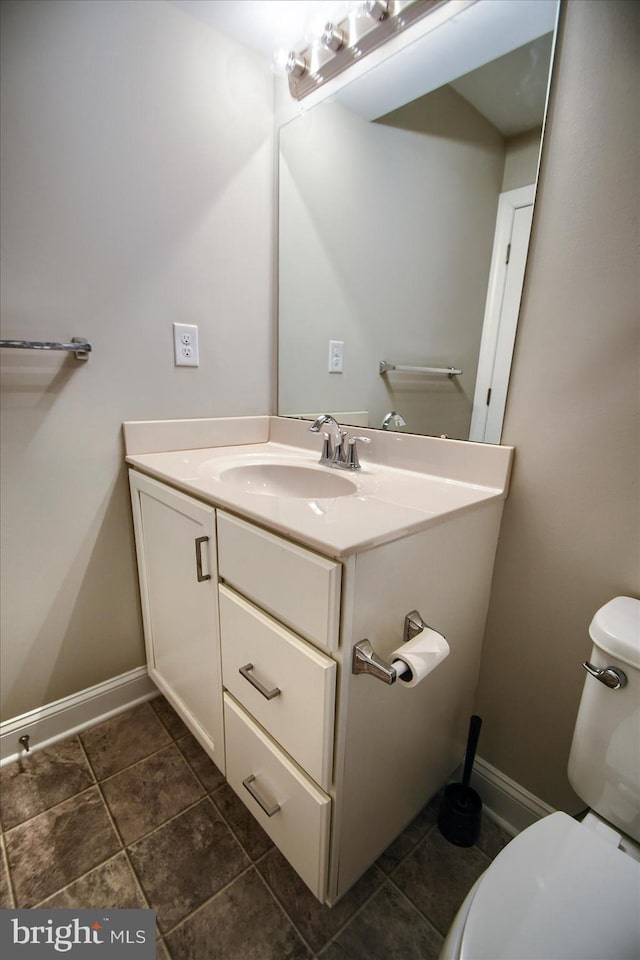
511	806
65	717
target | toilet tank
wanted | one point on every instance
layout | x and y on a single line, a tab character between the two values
604	763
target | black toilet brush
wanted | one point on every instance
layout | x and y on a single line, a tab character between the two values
461	807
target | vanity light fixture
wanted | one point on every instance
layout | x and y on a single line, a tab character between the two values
343	43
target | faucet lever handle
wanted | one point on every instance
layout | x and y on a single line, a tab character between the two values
353	461
339	455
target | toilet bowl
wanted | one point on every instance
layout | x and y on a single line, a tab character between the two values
563	889
559	890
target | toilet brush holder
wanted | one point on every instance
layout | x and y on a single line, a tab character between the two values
461	807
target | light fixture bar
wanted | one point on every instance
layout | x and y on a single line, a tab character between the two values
360	35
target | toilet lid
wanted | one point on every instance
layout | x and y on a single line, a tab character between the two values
556	891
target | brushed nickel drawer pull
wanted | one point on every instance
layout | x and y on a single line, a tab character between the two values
269	810
260	687
201	576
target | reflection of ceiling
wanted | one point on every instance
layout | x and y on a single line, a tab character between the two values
483	32
511	91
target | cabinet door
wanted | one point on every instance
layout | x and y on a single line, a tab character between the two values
175	543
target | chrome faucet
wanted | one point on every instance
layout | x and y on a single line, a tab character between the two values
393	418
333	446
333	452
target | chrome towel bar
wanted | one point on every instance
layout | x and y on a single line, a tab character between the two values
386	365
78	346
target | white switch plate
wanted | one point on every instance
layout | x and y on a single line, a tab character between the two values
336	356
185	344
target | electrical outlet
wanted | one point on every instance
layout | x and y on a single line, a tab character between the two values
185	344
336	356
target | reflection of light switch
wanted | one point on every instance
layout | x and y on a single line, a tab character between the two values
336	356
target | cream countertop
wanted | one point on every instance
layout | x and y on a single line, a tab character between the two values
389	502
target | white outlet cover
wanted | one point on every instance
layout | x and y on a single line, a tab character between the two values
185	344
336	356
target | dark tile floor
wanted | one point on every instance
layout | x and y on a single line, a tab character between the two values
132	813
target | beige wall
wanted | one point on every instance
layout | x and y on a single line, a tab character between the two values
136	191
521	160
570	535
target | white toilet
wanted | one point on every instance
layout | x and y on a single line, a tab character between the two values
562	888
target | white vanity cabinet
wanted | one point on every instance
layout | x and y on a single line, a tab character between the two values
176	551
334	786
258	659
243	660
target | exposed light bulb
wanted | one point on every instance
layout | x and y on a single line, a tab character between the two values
279	62
296	65
318	12
376	9
332	37
315	30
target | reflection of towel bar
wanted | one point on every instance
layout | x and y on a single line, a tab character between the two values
78	345
385	366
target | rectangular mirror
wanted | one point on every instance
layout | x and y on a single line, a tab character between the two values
405	205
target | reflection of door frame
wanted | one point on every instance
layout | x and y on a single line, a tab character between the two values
506	277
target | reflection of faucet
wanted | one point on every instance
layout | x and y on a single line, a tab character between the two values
393	418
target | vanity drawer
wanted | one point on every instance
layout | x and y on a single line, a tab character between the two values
300	715
300	588
288	806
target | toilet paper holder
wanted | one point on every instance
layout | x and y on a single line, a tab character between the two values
365	660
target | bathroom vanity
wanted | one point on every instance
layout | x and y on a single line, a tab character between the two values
259	573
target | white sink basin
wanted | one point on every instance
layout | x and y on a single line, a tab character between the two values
288	480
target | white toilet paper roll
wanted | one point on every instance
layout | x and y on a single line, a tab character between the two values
421	655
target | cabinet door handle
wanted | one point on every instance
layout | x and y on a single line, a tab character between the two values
260	687
201	576
268	809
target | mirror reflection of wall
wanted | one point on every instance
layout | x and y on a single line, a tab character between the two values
386	237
